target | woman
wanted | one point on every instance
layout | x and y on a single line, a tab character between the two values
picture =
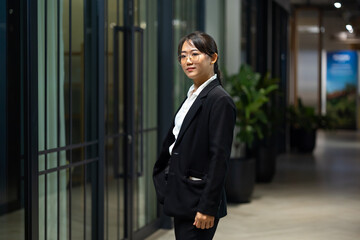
189	175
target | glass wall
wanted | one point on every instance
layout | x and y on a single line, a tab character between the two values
131	117
114	123
308	56
184	23
67	122
145	208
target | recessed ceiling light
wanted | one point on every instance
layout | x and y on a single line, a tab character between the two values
337	5
349	28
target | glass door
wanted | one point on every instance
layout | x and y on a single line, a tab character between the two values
67	161
131	117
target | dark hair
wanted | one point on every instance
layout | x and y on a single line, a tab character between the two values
205	44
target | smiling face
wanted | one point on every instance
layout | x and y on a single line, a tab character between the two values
197	66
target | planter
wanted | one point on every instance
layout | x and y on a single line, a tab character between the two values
265	164
303	140
240	181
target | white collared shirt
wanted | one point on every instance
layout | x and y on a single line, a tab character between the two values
191	97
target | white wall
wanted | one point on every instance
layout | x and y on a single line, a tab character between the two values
232	35
213	19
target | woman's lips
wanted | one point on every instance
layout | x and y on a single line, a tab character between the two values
190	69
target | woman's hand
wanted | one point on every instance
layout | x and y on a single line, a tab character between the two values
203	221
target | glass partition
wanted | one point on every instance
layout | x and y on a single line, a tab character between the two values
67	120
308	56
184	23
12	214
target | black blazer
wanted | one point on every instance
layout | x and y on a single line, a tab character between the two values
202	150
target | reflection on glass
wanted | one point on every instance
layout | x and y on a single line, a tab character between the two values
184	23
114	192
77	203
51	205
42	207
78	154
307	62
64	203
77	71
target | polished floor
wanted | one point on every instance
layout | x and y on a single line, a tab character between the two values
313	197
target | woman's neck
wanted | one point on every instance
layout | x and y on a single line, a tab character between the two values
199	81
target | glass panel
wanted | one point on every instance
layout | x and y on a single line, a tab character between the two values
77	203
149	161
64	105
78	154
114	120
51	111
308	41
63	158
41	162
64	204
41	75
77	70
91	194
41	207
114	192
145	198
52	160
184	23
145	94
51	74
51	205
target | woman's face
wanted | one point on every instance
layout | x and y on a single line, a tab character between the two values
196	65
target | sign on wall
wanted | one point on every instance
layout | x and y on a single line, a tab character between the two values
341	87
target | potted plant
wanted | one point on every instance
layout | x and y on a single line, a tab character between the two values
265	150
251	117
304	123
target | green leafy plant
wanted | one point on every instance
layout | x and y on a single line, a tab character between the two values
249	97
305	117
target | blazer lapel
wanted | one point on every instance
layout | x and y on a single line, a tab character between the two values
194	108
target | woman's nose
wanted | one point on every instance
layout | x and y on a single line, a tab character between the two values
188	60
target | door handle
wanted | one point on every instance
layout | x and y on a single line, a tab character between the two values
140	31
129	138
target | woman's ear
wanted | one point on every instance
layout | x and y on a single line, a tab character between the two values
214	58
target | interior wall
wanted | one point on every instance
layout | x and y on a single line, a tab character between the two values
232	35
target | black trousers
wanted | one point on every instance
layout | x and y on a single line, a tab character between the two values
185	230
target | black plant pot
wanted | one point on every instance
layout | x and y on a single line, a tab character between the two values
303	140
265	164
240	181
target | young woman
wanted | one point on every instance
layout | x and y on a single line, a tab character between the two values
189	175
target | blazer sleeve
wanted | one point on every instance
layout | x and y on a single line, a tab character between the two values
221	128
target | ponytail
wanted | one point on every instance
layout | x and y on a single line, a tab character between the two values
218	72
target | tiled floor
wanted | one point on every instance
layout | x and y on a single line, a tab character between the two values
313	197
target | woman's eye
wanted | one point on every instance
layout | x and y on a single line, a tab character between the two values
182	56
195	54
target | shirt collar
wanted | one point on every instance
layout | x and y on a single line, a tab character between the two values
202	86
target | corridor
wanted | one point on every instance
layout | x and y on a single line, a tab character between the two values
313	197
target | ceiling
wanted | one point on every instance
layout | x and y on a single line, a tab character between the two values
349	12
